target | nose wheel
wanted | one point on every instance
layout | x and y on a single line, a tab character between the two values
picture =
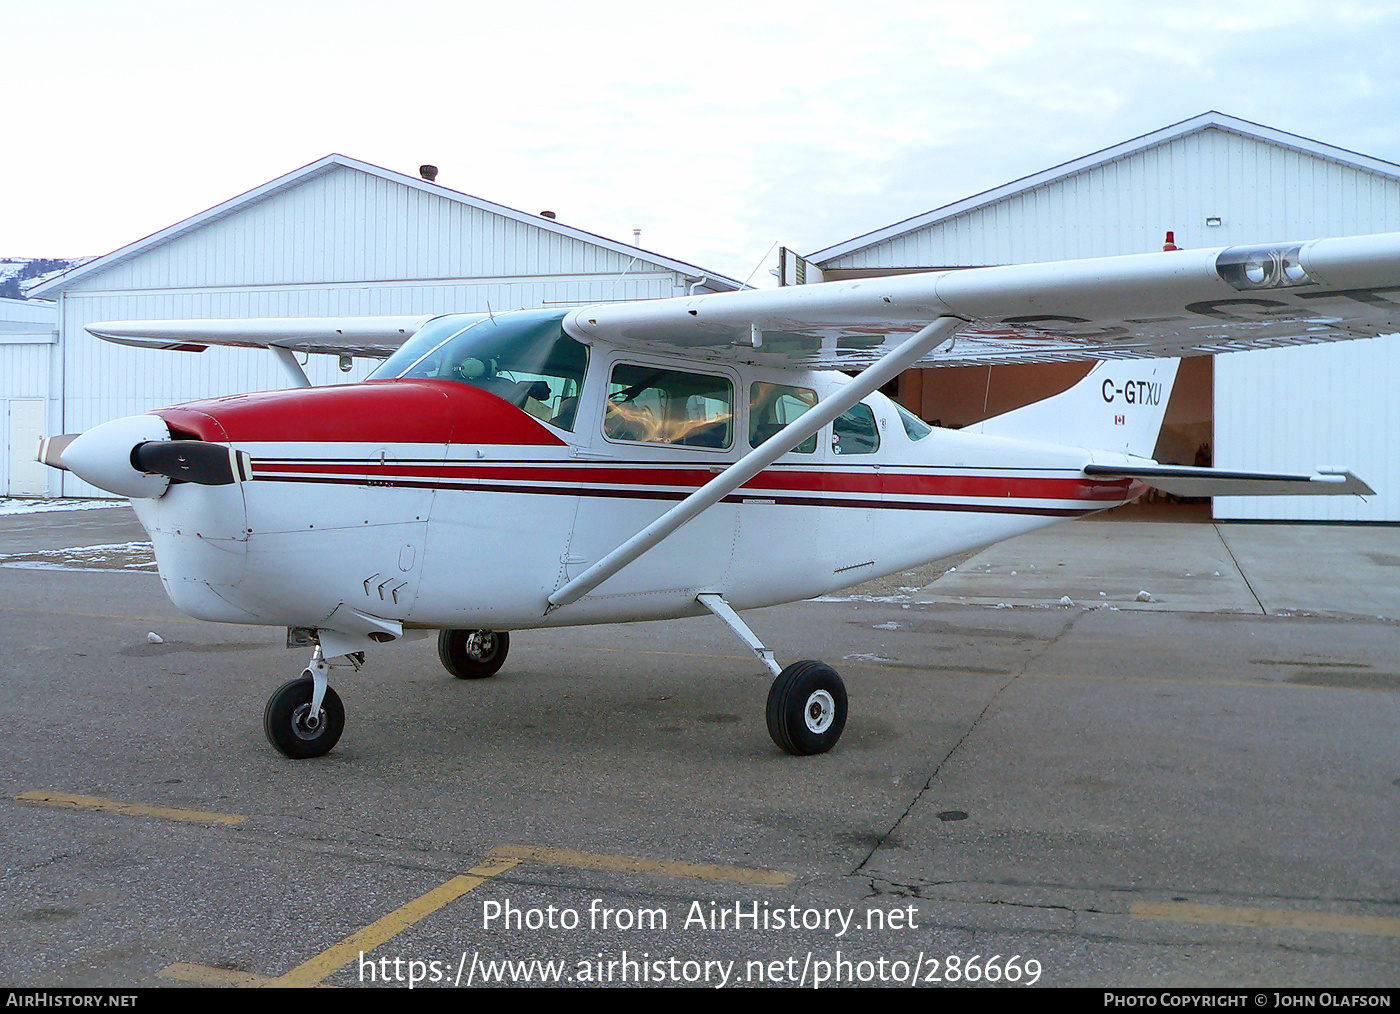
294	729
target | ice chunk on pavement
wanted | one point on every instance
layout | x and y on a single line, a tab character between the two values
155	638
1145	596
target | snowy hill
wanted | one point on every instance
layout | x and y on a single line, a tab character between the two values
20	274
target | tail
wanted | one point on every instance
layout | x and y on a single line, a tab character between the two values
1118	407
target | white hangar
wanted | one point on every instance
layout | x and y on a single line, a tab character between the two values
28	336
338	237
1212	181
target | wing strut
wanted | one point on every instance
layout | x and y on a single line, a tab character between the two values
870	379
288	361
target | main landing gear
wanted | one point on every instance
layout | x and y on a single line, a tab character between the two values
304	717
473	654
807	701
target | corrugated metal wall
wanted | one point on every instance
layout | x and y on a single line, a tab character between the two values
346	225
342	243
1308	407
1260	191
1285	409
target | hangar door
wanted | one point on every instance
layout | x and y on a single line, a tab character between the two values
27	476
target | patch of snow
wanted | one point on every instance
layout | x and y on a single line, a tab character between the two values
112	558
17	505
860	598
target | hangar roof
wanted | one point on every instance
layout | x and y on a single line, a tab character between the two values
332	163
1206	121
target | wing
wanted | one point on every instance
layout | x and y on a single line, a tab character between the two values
374	337
1190	302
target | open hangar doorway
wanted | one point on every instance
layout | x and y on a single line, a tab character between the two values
959	396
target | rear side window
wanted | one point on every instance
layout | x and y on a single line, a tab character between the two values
773	406
855	432
659	406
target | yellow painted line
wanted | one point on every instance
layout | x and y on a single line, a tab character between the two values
333	959
205	976
646	867
76	802
1267	918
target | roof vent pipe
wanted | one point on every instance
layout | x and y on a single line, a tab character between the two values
428	172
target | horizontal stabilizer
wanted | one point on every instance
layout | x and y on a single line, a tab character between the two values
1185	480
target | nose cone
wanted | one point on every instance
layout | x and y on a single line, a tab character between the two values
102	456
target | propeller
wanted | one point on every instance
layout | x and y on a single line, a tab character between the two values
196	461
51	450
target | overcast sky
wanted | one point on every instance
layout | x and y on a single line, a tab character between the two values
717	128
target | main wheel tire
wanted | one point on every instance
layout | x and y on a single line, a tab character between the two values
807	708
473	654
288	725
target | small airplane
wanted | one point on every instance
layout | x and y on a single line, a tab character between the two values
668	458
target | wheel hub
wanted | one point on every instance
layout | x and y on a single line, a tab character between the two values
306	725
481	644
820	711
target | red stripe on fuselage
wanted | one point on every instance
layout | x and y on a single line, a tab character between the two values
387	412
893	484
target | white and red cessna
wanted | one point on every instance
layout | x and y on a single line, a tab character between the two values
641	461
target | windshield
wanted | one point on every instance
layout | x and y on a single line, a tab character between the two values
913	425
524	358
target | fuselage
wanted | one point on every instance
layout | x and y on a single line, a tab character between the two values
442	502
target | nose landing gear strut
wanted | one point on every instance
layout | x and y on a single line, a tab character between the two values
304	717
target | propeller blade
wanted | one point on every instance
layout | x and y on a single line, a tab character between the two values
196	461
51	450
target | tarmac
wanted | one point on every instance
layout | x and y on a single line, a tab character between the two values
1190	565
1197	790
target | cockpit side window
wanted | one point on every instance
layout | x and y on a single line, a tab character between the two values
855	431
521	358
658	406
773	406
